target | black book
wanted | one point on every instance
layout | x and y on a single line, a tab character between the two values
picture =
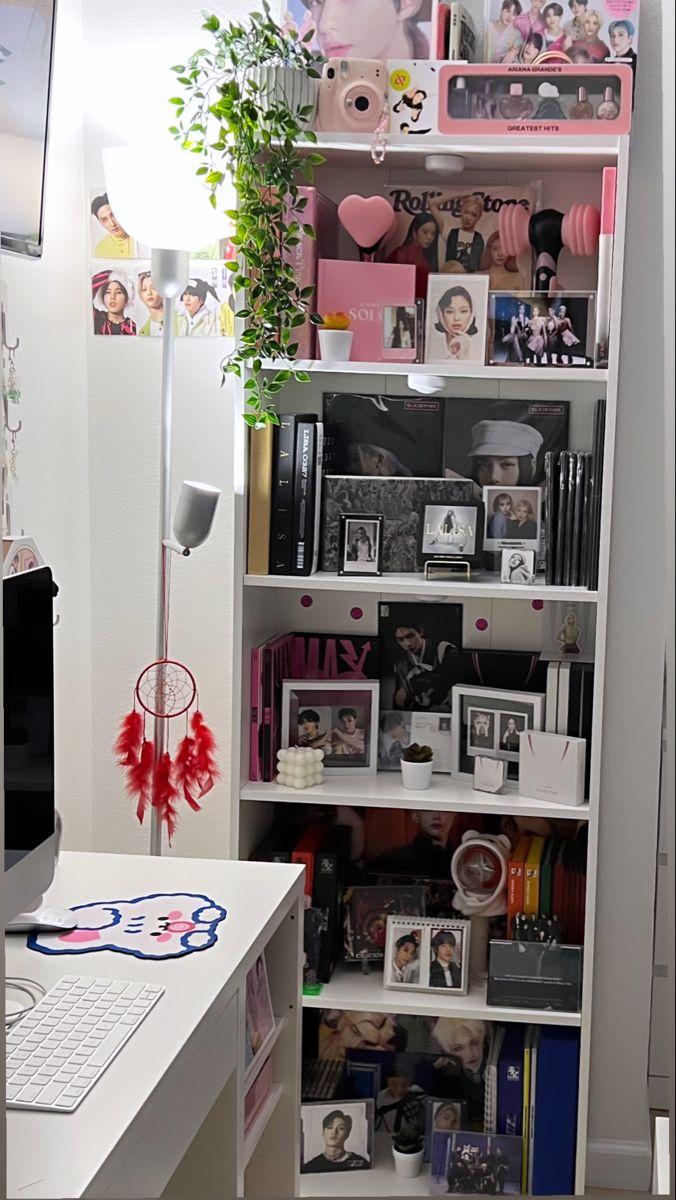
281	519
561	514
550	516
303	497
330	875
586	520
580	469
599	439
570	520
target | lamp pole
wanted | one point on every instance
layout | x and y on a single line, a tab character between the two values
169	271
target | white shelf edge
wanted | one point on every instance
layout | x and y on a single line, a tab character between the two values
446	370
351	990
385	790
256	1065
530	145
253	1137
414	584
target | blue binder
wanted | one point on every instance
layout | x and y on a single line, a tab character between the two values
510	1081
556	1112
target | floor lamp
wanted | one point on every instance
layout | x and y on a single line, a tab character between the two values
160	203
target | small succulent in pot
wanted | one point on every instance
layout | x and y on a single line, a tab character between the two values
335	337
418	754
337	320
408	1141
408	1152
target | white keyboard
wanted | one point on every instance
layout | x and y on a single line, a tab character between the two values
59	1050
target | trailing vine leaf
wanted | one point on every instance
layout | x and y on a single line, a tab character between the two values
249	136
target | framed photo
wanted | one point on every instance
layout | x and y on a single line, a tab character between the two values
487	723
533	329
443	1116
400	333
336	1136
513	518
451	532
397	730
260	1019
517	566
456	319
361	544
568	632
469	1162
339	718
427	954
367	910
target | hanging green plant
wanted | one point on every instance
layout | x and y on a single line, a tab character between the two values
247	101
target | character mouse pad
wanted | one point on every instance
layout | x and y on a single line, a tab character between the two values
161	925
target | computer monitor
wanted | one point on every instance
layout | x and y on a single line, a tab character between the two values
28	690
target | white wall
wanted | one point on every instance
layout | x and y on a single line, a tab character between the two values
128	50
46	310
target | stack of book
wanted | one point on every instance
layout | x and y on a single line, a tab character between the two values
285	471
547	878
573	488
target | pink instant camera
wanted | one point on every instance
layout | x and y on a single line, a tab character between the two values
351	95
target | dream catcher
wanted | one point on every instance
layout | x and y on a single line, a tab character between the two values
165	691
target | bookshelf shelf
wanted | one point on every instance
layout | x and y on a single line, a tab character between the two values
350	989
481	153
488	588
447	371
385	790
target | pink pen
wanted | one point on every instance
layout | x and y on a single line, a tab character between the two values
606	240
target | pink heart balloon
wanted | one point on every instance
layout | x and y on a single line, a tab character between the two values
366	218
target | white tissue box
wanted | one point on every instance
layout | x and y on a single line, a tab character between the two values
551	767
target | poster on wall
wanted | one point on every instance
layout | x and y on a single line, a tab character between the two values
126	303
369	29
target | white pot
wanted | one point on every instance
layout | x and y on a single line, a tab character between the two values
335	345
408	1165
290	85
417	777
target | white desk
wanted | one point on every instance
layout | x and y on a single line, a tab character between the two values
147	1115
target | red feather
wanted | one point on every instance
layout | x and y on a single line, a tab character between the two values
128	744
206	770
140	778
186	779
165	794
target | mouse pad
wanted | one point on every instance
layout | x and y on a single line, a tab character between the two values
162	925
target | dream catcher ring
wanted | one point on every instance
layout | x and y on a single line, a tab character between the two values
164	690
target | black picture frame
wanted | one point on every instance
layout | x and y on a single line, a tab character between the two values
351	544
466	547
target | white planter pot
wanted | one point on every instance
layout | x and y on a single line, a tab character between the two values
335	345
408	1165
417	777
290	85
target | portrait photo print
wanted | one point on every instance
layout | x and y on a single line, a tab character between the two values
427	954
336	1136
456	318
517	566
399	333
531	328
487	723
361	547
340	719
513	518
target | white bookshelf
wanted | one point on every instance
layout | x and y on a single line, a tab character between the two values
570	171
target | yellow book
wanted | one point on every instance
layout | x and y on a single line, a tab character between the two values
531	879
260	499
525	1121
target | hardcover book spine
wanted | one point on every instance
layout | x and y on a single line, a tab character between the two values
303	507
281	530
317	495
256	716
514	894
326	895
260	500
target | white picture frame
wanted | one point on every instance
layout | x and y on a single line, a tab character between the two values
513	518
441	957
457	313
525	710
348	749
517	566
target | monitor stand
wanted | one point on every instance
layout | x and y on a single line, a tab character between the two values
43	920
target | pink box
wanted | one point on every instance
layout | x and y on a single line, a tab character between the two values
554	98
363	290
321	213
257	1094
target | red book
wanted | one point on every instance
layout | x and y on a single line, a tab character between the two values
309	843
443	30
256	714
515	876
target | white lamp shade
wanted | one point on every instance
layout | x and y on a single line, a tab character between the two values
158	199
194	514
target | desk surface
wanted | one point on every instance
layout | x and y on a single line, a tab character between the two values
57	1155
